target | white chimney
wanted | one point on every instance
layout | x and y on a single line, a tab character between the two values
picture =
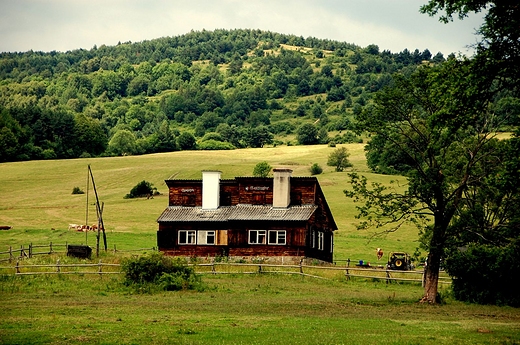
282	188
210	190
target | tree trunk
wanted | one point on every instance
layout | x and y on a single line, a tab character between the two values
433	263
431	278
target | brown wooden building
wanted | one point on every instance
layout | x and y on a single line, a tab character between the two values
283	217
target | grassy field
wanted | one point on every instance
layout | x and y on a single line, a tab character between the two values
251	309
36	197
36	200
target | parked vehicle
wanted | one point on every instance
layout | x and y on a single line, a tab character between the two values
399	261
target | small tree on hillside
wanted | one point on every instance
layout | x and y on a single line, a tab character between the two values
262	169
142	189
339	159
307	134
316	169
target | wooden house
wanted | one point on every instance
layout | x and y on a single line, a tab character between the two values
283	218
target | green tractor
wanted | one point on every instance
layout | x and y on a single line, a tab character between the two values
399	261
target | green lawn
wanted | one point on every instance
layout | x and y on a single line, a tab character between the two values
242	309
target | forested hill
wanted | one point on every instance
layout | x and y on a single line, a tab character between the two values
220	89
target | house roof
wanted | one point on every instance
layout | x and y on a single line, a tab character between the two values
238	212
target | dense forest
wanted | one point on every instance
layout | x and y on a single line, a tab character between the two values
220	89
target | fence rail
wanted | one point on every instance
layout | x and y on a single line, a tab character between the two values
375	272
59	268
321	272
32	250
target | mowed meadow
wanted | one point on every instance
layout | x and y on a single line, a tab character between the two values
36	200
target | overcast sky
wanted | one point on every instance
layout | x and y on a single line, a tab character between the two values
63	25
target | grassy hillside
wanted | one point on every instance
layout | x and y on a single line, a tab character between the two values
37	200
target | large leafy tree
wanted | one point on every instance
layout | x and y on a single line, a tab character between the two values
484	240
498	52
436	122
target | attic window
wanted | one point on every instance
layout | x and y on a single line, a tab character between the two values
258	199
188	200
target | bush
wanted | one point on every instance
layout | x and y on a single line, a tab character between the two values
262	169
215	145
142	189
166	273
316	169
77	190
486	274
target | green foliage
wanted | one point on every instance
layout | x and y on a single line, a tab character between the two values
262	169
186	141
170	274
339	159
307	134
77	190
443	144
142	189
486	274
316	169
215	145
75	104
122	143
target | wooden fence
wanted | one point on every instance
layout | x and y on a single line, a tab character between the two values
322	272
32	250
59	268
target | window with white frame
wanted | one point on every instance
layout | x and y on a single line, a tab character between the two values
321	240
277	237
187	237
313	239
257	236
206	237
332	243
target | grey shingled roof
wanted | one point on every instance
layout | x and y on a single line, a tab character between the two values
238	212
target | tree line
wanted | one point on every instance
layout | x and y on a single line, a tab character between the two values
219	89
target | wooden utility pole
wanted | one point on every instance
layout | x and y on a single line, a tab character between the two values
99	211
86	211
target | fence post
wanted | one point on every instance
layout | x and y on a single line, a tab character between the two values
347	273
100	269
259	268
17	266
115	250
213	268
423	280
10	254
50	248
387	276
30	250
58	266
301	266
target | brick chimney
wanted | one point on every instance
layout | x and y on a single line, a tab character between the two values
281	188
210	190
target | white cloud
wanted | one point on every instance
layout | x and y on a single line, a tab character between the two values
65	25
